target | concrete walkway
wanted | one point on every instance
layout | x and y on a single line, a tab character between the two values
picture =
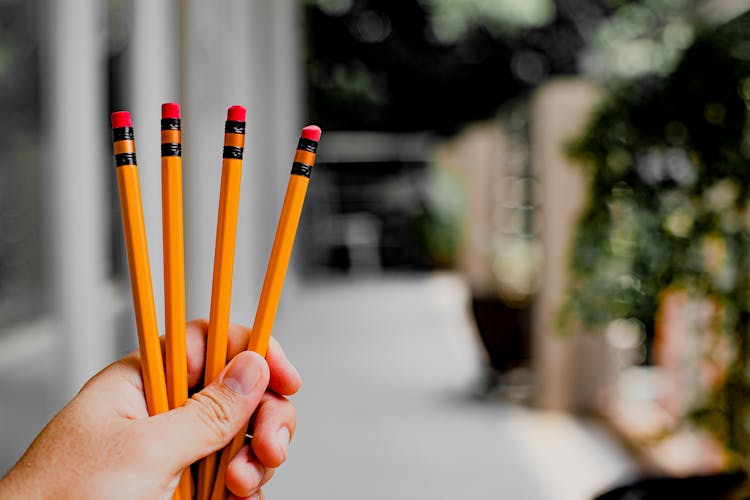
385	410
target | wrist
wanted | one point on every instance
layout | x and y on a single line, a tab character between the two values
17	484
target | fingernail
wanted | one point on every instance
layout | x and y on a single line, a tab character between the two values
254	496
282	440
243	374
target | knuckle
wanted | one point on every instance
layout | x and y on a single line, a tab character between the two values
215	413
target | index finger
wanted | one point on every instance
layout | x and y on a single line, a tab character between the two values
285	379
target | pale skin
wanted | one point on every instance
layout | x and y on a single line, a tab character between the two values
103	444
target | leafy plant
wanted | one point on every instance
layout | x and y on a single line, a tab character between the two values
668	158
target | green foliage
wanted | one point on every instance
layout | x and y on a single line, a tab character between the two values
668	158
641	37
667	170
440	226
451	19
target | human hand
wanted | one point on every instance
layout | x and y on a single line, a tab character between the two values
103	444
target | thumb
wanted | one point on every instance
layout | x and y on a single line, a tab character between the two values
213	416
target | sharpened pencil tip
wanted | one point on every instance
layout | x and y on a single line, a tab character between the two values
121	119
170	110
311	132
237	114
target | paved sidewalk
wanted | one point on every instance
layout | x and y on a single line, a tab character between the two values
385	410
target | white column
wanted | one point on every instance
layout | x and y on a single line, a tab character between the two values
77	163
245	53
217	77
288	73
153	78
573	370
259	190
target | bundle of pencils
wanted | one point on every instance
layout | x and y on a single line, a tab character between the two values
166	390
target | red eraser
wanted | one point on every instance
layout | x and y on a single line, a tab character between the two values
311	132
121	119
236	114
170	110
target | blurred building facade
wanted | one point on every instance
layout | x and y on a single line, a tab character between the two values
67	65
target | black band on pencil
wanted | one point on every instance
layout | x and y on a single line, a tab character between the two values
233	127
306	144
122	134
171	149
301	169
125	159
232	151
170	124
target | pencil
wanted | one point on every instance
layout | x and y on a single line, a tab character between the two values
221	289
152	370
174	267
291	209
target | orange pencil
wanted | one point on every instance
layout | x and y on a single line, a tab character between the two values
152	369
270	294
174	267
221	289
174	254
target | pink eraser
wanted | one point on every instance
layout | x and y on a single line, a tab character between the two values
121	119
311	132
170	110
236	114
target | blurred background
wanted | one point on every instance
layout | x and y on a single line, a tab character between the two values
522	269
